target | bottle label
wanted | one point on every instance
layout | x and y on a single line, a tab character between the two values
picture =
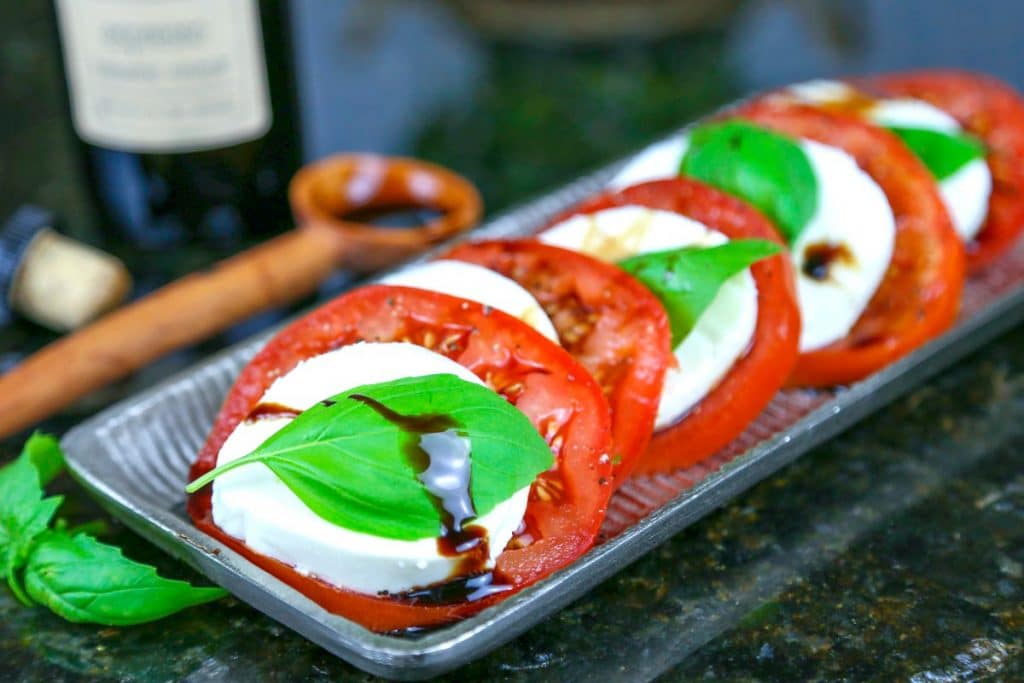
165	75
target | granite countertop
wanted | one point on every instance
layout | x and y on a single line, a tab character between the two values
894	552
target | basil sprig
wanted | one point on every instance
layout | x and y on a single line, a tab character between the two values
84	580
24	515
943	153
350	465
71	572
768	170
687	280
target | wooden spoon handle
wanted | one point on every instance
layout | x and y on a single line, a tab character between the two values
186	311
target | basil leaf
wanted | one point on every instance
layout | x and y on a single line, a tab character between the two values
768	170
83	580
687	280
24	515
943	153
348	463
46	456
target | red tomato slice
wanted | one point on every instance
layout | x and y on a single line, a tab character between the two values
755	378
920	294
607	320
567	503
994	112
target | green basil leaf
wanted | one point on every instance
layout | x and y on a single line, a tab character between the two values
46	456
687	280
943	153
348	463
24	515
83	580
768	170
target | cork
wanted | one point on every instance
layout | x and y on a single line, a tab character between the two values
62	284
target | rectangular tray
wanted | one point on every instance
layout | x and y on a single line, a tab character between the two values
134	458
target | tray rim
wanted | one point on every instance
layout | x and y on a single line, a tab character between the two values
452	646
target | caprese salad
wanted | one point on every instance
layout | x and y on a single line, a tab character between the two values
879	265
719	270
968	129
406	458
419	449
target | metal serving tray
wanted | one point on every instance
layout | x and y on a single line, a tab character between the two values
134	458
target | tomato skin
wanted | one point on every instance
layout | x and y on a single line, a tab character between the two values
920	294
994	112
755	378
606	319
567	503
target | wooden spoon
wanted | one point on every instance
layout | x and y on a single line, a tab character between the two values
277	272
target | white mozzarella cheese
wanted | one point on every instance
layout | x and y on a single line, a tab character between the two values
966	193
476	283
252	504
852	213
723	332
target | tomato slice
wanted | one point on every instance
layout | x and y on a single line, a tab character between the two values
607	320
920	294
994	112
566	504
743	393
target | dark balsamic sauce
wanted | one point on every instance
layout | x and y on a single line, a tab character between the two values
441	459
462	589
819	259
265	411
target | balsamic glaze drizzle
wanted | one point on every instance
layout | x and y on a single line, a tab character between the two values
266	411
819	258
462	589
441	459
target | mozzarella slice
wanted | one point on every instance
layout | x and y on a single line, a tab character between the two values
476	283
723	332
966	193
252	504
853	218
854	221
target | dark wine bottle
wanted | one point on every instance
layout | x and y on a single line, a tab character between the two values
186	115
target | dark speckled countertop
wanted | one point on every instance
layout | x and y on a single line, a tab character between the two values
894	552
